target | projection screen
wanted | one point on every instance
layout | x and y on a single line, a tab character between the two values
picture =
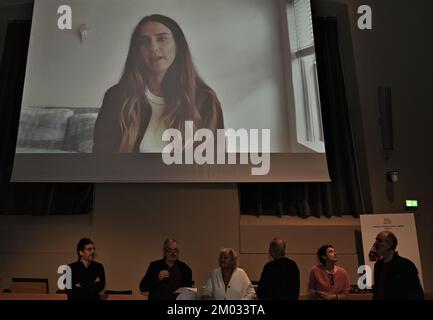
171	91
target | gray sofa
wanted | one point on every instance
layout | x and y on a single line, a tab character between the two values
56	130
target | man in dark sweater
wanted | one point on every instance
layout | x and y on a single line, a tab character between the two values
163	277
88	276
280	277
395	277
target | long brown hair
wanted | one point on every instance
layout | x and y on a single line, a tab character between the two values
181	86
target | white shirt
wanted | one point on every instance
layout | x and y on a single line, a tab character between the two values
152	139
239	287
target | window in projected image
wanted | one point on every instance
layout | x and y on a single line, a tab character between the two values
309	130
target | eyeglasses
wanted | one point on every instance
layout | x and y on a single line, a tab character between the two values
171	250
331	279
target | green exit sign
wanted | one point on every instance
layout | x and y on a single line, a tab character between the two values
411	203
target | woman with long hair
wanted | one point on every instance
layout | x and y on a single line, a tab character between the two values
160	89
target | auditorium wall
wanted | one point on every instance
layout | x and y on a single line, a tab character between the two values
395	53
129	225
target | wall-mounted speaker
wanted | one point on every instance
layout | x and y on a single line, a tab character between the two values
385	117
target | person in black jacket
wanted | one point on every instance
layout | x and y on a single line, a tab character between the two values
395	277
280	277
163	277
88	276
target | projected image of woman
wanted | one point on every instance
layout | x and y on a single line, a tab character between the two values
159	89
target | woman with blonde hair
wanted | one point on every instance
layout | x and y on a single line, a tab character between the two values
160	89
228	282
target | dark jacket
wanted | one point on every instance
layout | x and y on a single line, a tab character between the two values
89	288
164	289
279	280
107	133
401	283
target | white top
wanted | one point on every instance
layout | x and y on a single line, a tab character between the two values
239	287
152	139
186	293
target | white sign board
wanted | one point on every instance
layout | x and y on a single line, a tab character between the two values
402	225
